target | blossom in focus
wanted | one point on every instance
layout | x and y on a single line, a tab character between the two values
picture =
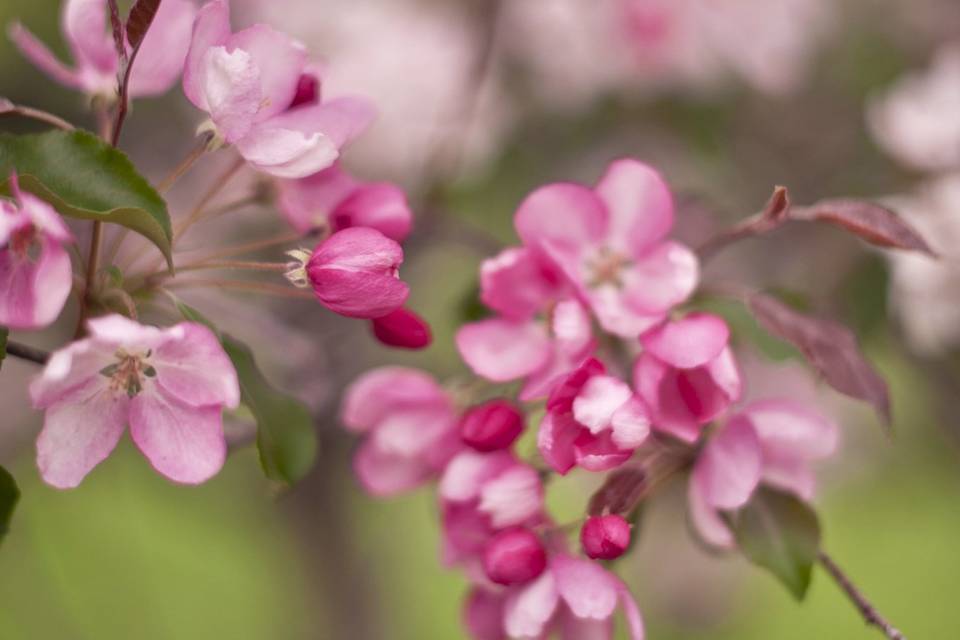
574	597
96	63
35	272
916	120
687	374
593	420
771	442
250	84
610	243
410	426
170	385
355	272
333	199
482	494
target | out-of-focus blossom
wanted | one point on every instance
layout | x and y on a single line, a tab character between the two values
35	273
593	420
250	84
916	119
170	386
605	537
493	425
514	556
773	442
403	329
574	597
354	273
609	242
925	291
96	63
333	199
482	494
687	375
410	424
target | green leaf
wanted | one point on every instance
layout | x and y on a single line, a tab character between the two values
781	533
9	495
84	177
286	438
4	332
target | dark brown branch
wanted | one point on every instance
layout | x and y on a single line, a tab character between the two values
870	614
26	352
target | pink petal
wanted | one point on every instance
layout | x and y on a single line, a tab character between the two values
788	428
279	60
562	397
632	613
656	383
381	206
85	25
615	313
512	497
415	431
597	401
598	452
41	57
71	368
182	442
662	278
572	332
555	440
377	393
574	628
706	521
115	329
230	85
467	472
286	153
79	432
528	609
588	589
483	615
386	474
640	205
44	217
308	202
790	474
728	469
517	284
194	368
630	424
502	350
691	341
32	294
565	215
210	29
340	120
726	376
163	52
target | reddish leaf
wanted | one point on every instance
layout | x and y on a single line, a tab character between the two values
139	20
621	491
116	27
830	347
875	224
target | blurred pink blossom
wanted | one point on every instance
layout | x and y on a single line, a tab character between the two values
171	386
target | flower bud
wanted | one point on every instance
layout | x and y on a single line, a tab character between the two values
402	328
514	556
605	537
492	425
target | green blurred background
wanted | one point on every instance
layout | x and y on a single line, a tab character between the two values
128	555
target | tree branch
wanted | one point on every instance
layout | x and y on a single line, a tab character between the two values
870	614
26	352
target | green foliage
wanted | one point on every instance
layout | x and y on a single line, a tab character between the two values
286	437
781	533
84	177
9	495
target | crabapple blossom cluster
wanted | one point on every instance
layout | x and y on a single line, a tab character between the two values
596	291
265	102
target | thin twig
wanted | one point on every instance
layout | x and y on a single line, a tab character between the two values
199	211
256	245
184	165
774	214
870	614
93	261
242	265
9	108
266	288
26	352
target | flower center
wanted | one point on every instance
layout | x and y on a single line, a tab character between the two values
24	244
127	373
605	266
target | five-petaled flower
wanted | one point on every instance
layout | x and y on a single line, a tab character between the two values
170	385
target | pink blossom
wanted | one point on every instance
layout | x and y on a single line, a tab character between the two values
593	420
687	374
170	385
772	442
605	537
336	200
514	556
35	272
403	329
410	424
248	82
354	272
96	64
574	598
493	425
539	336
609	242
483	493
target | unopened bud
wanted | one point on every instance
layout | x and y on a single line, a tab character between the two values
605	537
492	425
514	556
402	328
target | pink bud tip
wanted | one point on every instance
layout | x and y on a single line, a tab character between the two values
404	329
308	91
492	425
605	537
514	556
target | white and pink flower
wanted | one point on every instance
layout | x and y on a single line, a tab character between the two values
170	385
